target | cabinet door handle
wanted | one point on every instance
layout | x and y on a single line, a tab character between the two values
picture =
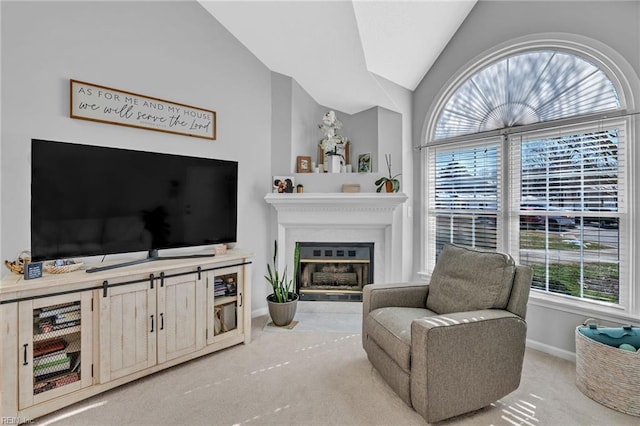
25	354
240	305
151	324
162	321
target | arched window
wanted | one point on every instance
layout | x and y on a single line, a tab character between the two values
549	193
526	88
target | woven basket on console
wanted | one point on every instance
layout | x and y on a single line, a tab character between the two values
51	268
608	375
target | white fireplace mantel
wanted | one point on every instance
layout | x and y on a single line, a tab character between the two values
337	201
343	217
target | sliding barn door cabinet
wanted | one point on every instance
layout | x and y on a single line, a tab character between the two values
66	337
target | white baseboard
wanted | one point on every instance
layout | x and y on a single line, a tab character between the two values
259	312
551	350
319	307
335	307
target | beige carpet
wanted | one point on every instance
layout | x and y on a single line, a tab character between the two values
318	375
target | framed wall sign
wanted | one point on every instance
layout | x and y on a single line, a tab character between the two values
92	102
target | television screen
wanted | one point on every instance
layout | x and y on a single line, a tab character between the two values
89	200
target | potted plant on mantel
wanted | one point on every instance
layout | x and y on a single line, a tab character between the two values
284	300
391	184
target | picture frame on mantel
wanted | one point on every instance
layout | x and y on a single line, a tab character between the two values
88	101
364	163
283	184
304	164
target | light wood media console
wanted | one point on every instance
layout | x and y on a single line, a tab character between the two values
67	337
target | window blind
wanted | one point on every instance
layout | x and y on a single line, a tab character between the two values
567	201
530	87
464	200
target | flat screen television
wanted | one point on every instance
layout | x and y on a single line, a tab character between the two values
89	200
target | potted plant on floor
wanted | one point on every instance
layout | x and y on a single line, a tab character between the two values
284	300
391	184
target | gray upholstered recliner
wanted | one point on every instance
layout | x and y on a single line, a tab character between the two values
457	344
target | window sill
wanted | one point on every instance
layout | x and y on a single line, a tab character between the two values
424	276
578	307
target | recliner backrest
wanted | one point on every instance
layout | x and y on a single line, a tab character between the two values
467	279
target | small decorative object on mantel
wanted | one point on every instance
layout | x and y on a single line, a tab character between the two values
333	161
334	149
390	183
364	163
104	104
283	184
299	188
351	187
304	164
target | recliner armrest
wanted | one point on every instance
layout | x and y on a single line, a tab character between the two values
462	318
473	330
465	360
408	295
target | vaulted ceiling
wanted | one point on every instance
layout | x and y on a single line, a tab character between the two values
339	50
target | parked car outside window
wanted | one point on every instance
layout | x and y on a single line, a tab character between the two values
559	222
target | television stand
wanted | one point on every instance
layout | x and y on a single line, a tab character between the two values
152	317
152	256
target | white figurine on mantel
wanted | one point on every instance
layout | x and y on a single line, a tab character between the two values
333	145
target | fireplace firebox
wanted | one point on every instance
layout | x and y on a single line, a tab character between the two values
334	271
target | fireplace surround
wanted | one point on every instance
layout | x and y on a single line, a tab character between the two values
342	217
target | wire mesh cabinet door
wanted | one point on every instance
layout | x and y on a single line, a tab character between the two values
55	335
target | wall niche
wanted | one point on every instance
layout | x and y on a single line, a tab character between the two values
295	117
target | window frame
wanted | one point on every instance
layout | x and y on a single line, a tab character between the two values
510	208
616	67
624	229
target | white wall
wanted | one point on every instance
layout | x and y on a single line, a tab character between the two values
389	141
614	25
170	50
404	148
362	130
306	115
281	127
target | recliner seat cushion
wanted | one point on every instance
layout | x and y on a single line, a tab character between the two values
390	328
467	280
